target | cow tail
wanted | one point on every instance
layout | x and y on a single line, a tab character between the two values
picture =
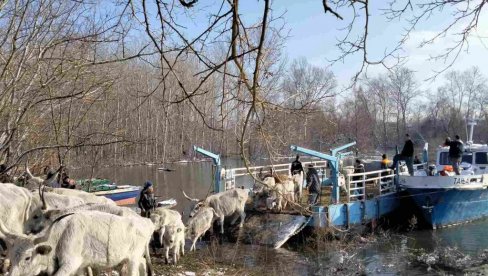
149	266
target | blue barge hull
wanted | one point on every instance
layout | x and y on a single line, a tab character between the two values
447	207
355	213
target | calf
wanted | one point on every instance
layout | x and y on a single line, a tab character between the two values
284	193
174	238
199	224
225	204
161	217
77	241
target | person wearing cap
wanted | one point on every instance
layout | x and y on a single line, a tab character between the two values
313	184
147	202
296	166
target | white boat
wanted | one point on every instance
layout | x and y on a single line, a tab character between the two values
446	199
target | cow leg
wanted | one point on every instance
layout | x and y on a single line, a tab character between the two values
166	254
182	248
243	217
221	219
175	254
89	271
69	268
143	267
134	266
194	241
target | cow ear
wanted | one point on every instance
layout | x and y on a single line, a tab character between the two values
43	249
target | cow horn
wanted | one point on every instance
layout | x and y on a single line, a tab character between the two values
5	234
41	195
189	198
28	171
47	232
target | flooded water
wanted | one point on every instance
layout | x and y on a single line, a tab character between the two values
457	250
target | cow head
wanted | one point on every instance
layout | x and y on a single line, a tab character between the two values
195	205
30	259
170	234
26	257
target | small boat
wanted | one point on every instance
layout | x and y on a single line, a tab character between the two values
169	203
446	199
165	169
120	194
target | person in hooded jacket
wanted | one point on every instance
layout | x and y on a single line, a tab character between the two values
313	184
147	202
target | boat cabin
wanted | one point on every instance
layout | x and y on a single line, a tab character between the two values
474	161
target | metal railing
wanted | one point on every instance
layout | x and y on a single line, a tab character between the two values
231	175
381	182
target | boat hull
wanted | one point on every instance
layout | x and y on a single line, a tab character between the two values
122	196
448	207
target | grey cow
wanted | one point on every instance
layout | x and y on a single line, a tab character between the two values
198	224
225	204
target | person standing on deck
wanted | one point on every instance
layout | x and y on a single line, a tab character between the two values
313	185
384	162
146	202
456	149
406	155
296	166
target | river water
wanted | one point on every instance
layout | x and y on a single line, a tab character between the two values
457	250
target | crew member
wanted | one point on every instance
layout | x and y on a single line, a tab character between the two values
296	166
456	149
146	202
313	185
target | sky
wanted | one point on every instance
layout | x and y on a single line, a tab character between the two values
313	35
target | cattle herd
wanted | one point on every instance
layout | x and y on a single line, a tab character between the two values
64	232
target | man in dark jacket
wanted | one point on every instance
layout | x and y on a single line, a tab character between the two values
406	155
296	166
313	184
146	202
456	149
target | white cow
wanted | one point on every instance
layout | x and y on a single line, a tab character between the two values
48	217
174	238
87	197
298	181
284	192
161	217
228	203
77	241
15	206
199	224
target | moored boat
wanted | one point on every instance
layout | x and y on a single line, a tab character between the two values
446	199
120	194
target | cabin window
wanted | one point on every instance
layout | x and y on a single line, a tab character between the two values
481	158
444	158
467	158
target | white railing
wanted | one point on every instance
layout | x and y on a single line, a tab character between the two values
382	180
230	175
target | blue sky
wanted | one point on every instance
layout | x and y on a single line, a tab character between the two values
313	35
